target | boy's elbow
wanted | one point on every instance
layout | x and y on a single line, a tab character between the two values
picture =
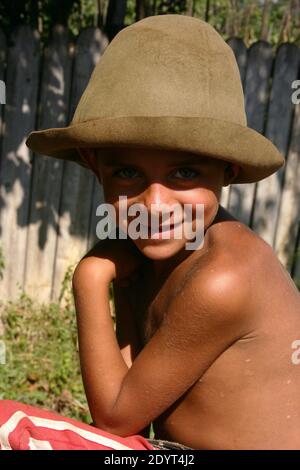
121	429
120	424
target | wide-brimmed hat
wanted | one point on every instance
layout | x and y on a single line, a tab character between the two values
165	82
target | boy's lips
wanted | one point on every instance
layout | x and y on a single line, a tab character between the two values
162	228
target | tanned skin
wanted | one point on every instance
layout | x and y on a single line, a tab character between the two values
203	345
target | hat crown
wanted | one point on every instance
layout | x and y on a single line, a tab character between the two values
167	82
165	65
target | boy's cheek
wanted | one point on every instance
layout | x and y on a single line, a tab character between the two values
210	202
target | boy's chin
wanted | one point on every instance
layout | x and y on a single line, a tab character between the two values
159	249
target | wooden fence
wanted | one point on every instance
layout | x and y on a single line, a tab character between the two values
47	206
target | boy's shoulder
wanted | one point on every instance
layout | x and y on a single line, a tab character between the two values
233	261
233	246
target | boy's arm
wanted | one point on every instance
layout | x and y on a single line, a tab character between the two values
205	319
125	259
123	256
126	327
126	330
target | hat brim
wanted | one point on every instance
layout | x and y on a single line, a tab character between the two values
223	140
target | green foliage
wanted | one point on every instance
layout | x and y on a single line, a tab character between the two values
130	12
171	6
76	14
42	363
66	293
242	18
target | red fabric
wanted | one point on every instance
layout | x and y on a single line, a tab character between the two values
25	427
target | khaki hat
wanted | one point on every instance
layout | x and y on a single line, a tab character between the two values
165	82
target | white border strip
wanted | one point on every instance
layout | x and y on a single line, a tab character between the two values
14	420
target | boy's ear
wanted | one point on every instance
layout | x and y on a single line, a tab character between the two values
89	156
230	173
86	152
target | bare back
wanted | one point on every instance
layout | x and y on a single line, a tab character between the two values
249	397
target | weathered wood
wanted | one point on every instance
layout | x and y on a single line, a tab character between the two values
22	81
296	260
48	208
225	195
77	185
289	214
256	99
3	51
278	131
240	52
98	198
47	172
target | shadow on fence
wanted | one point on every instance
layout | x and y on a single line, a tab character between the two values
47	206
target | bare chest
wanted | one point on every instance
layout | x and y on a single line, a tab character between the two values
150	303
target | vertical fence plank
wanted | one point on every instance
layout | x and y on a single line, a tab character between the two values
256	98
59	199
77	187
289	214
22	81
3	51
225	195
296	260
3	47
47	171
278	131
240	51
98	198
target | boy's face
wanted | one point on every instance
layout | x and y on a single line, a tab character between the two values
148	177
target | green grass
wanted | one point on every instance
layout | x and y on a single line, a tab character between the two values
42	362
41	353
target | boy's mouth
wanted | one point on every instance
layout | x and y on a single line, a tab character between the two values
161	228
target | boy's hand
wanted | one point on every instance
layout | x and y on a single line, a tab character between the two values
108	260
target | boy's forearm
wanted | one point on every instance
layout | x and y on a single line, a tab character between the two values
103	367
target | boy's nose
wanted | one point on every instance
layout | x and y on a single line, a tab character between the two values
155	195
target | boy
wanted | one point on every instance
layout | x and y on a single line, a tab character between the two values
216	369
204	337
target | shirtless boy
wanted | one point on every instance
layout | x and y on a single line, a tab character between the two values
207	334
203	345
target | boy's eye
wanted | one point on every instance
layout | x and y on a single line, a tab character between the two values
186	173
127	172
